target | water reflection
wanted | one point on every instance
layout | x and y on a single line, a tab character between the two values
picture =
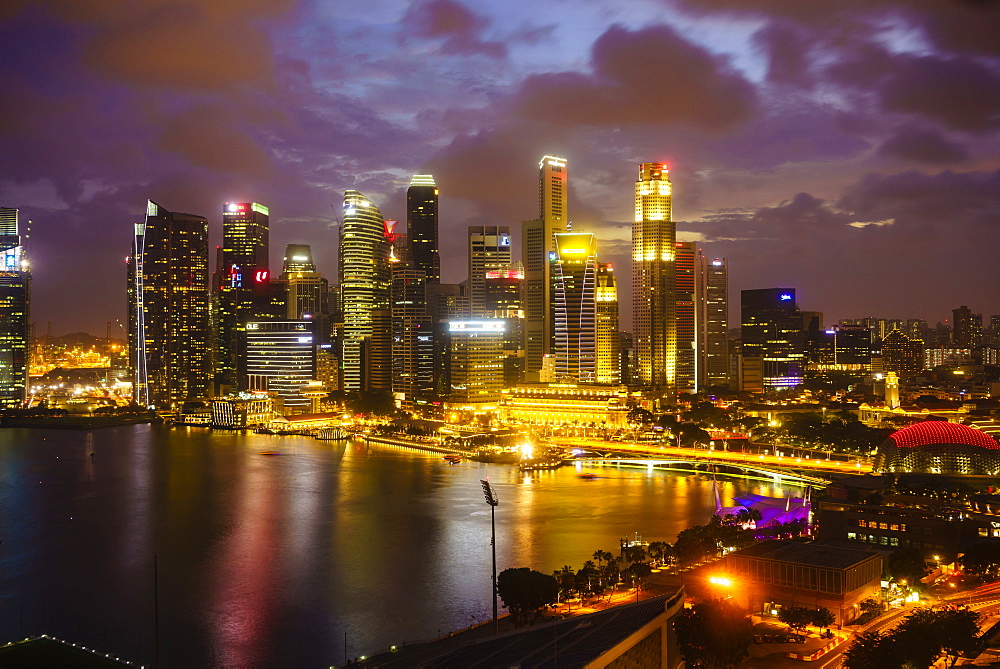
270	560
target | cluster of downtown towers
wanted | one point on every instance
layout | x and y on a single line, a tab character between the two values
389	324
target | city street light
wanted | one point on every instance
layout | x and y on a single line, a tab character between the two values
491	499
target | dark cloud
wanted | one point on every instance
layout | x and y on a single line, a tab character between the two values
459	30
650	76
925	145
211	136
787	48
959	92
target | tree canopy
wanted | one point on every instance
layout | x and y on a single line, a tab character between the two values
714	634
525	592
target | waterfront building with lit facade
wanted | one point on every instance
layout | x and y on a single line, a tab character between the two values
574	295
589	405
476	358
364	283
15	313
242	285
653	279
242	410
422	225
712	322
489	249
538	253
168	303
281	359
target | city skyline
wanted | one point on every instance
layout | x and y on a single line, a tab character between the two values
849	151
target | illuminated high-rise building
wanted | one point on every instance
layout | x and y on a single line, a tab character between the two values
364	282
967	328
476	361
772	339
307	292
281	358
242	286
503	291
574	293
538	254
684	291
15	313
653	294
422	225
489	248
608	362
168	308
712	322
412	336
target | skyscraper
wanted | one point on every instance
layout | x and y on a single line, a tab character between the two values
281	358
168	308
15	313
412	335
608	350
538	253
684	287
712	319
307	292
364	281
242	285
422	225
967	328
489	248
772	337
653	293
574	292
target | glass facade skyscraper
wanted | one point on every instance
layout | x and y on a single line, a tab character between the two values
364	282
15	313
242	282
422	225
653	281
168	308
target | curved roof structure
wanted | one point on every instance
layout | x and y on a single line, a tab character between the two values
935	432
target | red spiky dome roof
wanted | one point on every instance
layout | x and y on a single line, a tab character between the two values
932	432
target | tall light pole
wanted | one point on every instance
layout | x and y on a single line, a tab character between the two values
491	499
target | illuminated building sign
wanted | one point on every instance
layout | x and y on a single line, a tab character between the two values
504	240
784	297
261	276
476	326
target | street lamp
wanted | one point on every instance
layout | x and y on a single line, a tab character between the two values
491	499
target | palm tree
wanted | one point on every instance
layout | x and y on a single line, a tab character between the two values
598	555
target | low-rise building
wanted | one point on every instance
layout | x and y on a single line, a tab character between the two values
567	404
241	411
773	574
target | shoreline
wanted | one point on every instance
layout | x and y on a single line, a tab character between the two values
77	422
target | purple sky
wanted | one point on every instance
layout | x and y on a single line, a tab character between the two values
849	149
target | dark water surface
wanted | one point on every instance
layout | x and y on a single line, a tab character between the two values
268	560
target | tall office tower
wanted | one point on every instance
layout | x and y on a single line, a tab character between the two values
684	287
281	358
476	361
574	293
168	308
502	292
967	328
653	294
916	328
852	347
773	342
364	283
994	331
242	285
608	364
412	339
820	346
422	225
489	248
306	291
901	354
712	320
538	252
15	313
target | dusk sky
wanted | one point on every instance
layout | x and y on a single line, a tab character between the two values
848	149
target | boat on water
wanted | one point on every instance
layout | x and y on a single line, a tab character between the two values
269	453
589	476
536	464
452	458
